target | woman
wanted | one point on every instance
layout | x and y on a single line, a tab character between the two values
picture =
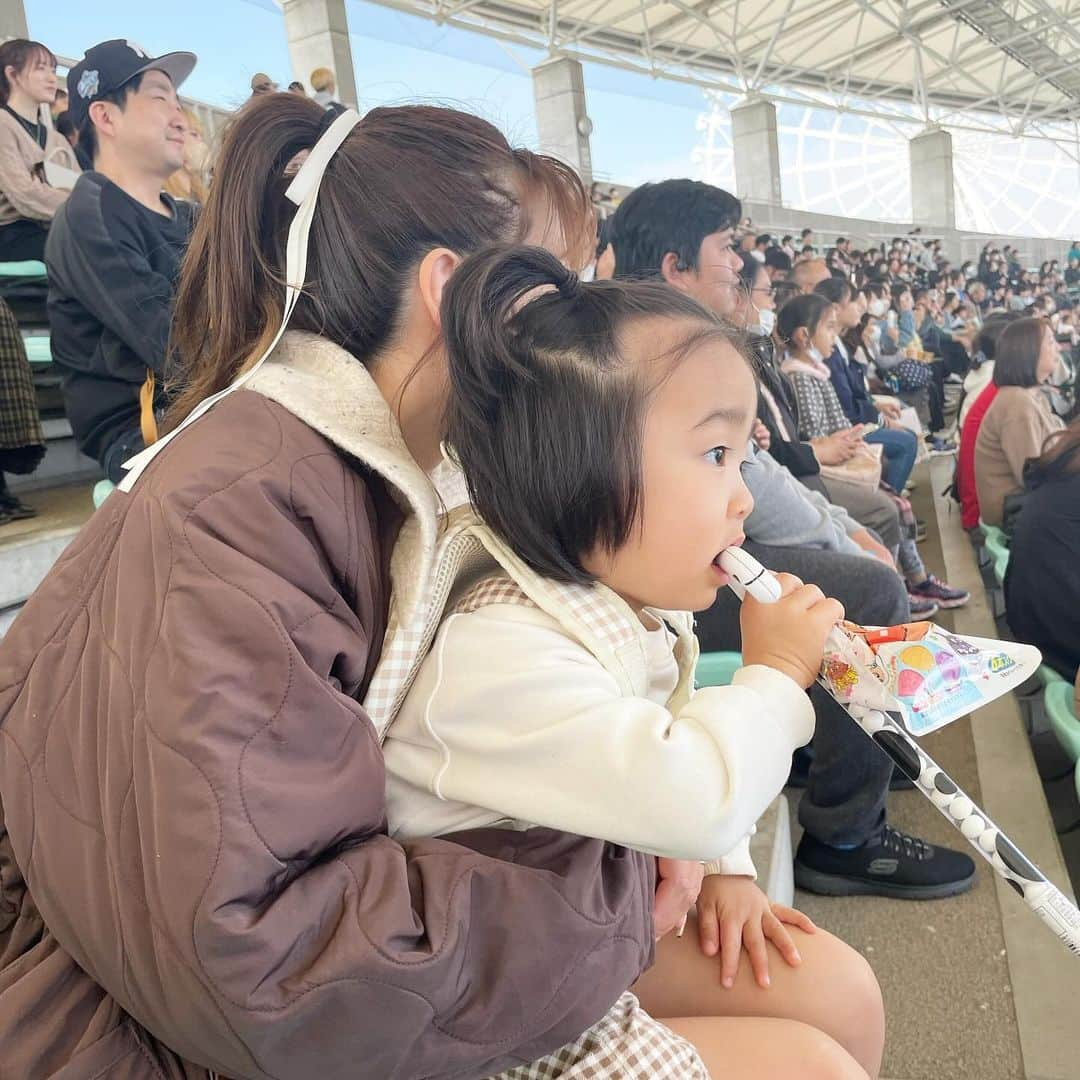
848	378
189	181
221	624
807	328
973	409
1020	419
22	441
1042	590
30	151
755	312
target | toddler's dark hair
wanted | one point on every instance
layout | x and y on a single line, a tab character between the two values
546	412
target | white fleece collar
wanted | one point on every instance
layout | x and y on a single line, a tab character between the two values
333	393
793	364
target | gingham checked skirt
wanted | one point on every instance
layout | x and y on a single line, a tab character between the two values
625	1044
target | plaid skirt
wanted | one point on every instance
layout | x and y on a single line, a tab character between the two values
625	1044
20	425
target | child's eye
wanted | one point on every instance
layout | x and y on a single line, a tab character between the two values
717	455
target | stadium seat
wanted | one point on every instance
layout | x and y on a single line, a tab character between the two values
38	350
102	490
997	546
1063	720
717	668
1048	676
28	268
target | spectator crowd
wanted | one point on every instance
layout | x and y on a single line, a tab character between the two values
832	369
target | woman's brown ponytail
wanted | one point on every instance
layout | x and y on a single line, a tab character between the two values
405	181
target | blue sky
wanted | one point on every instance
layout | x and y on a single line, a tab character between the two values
644	128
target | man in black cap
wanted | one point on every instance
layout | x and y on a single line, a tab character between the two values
115	247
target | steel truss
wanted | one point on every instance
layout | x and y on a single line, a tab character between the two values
1010	68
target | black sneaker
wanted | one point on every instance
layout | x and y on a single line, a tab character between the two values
892	864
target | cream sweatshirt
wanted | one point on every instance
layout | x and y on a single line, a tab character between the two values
511	722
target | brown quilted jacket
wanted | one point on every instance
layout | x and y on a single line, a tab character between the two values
194	871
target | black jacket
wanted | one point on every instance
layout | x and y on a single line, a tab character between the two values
1042	584
797	457
112	273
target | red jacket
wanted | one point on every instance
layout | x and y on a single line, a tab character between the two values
965	464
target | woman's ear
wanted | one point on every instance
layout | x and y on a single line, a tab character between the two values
435	270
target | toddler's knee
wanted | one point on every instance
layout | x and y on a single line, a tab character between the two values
862	988
858	1010
821	1057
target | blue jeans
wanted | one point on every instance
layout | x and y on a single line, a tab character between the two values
900	450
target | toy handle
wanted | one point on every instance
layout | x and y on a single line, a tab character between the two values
749	576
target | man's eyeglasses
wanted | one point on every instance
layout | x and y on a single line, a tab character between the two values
770	291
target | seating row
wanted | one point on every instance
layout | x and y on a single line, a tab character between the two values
1058	698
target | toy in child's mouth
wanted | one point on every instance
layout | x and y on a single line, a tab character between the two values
921	673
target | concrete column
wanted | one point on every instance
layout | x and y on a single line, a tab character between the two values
756	150
318	34
561	119
13	20
933	200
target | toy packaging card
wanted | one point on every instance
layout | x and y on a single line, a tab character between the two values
920	672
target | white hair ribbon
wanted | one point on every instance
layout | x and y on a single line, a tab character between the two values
304	192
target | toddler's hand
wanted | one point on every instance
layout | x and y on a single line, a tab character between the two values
734	914
789	635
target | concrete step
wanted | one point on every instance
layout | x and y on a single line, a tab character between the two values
64	463
29	548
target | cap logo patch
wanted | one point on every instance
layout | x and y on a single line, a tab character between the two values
89	82
137	49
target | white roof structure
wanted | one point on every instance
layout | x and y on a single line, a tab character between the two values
1011	66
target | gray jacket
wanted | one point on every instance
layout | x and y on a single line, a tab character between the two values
787	514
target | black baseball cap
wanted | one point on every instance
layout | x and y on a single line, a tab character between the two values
106	67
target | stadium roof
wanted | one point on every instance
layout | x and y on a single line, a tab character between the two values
1012	66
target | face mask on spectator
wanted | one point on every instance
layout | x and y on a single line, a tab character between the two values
878	307
766	321
815	354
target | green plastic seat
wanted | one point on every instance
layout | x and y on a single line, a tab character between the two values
38	349
1063	718
998	546
1048	676
28	268
102	490
717	668
1063	721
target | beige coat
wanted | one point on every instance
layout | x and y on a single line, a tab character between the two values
1014	429
24	192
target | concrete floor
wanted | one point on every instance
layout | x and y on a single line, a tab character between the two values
975	987
58	508
941	963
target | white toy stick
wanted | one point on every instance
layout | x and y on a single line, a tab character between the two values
1009	862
